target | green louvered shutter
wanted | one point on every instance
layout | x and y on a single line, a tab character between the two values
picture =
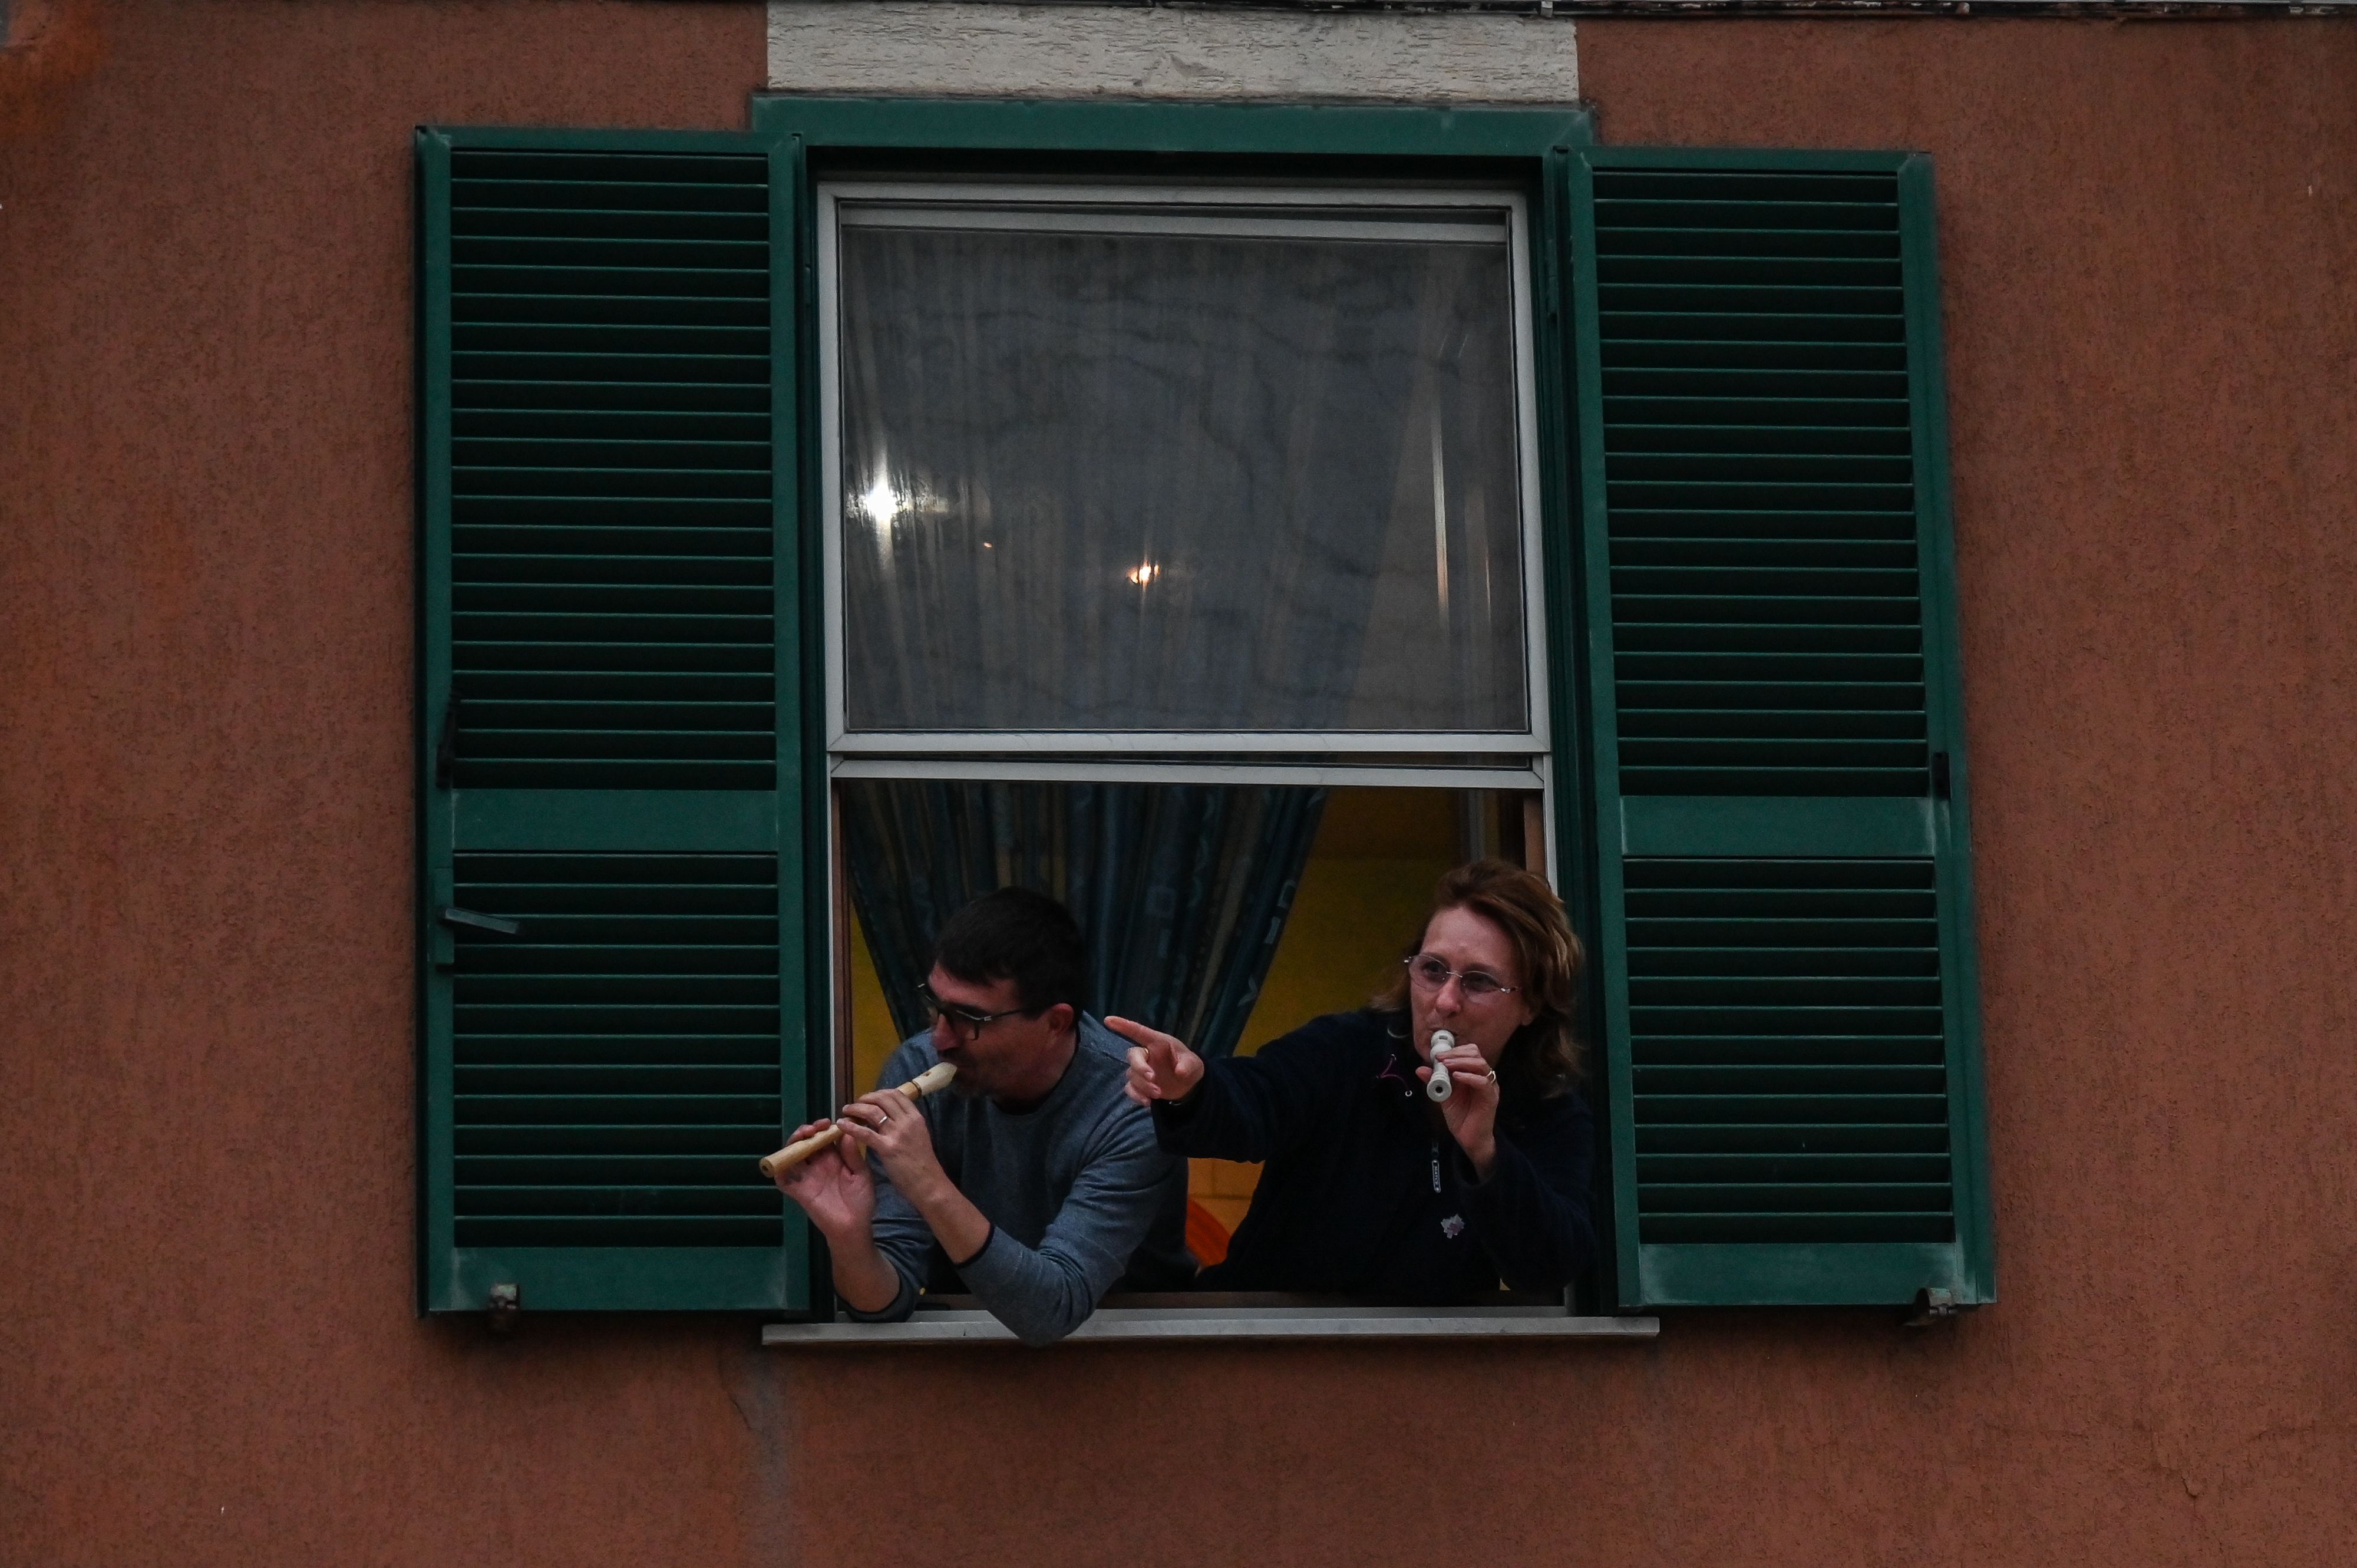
1786	960
609	740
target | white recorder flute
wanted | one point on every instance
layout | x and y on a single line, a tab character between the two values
1439	1086
801	1149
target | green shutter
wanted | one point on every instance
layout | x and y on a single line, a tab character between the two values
610	740
1786	955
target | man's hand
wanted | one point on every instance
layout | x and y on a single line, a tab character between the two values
837	1192
1470	1112
1160	1067
887	1125
833	1187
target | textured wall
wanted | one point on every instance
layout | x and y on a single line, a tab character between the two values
931	47
206	1351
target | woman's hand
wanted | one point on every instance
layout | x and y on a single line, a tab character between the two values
1160	1067
1470	1111
833	1187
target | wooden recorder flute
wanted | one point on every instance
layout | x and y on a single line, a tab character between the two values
801	1149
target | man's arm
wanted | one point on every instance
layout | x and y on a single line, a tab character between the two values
842	1198
1044	1293
1041	1292
881	1266
889	1123
864	1277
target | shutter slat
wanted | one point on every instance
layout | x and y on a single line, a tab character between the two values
617	1077
738	1140
490	1050
675	1230
1792	1138
627	1170
1837	1228
600	222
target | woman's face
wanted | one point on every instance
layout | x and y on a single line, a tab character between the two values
1467	943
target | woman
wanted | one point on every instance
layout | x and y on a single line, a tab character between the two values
1371	1188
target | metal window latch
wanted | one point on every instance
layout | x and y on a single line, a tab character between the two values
453	916
1932	1305
505	1305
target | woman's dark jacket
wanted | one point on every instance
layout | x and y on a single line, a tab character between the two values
1364	1191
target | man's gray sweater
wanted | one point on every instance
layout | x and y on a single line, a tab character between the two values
1073	1187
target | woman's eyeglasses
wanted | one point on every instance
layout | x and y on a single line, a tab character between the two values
966	1023
1430	973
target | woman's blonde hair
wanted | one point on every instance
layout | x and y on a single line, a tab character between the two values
1542	1058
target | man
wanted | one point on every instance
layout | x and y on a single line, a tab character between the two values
1034	1179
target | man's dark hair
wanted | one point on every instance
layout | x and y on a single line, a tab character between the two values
1019	935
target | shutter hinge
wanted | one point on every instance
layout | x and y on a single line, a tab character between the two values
446	750
1941	781
441	946
504	1307
1932	1305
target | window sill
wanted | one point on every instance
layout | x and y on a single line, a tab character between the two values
1167	1324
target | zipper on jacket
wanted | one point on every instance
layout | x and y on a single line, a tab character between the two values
1436	1165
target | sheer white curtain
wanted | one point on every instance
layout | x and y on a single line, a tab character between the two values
1203	480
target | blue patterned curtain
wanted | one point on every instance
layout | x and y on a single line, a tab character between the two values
1181	889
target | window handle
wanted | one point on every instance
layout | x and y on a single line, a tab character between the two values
454	915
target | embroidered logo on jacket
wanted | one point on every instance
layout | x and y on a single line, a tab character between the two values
1453	1227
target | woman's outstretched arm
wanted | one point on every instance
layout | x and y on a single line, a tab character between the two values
1238	1108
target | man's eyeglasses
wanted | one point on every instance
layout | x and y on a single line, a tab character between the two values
966	1023
1430	973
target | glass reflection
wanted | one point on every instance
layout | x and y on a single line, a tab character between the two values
1200	481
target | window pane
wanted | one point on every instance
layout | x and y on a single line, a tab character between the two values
1185	473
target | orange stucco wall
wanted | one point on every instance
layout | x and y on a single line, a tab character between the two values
207	1354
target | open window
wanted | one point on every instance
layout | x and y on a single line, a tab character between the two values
1182	551
806	511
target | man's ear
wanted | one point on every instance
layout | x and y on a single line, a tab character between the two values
1059	1017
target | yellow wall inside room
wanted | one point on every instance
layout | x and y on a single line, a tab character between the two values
1363	893
873	1037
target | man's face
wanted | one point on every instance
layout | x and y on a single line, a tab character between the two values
1004	1060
